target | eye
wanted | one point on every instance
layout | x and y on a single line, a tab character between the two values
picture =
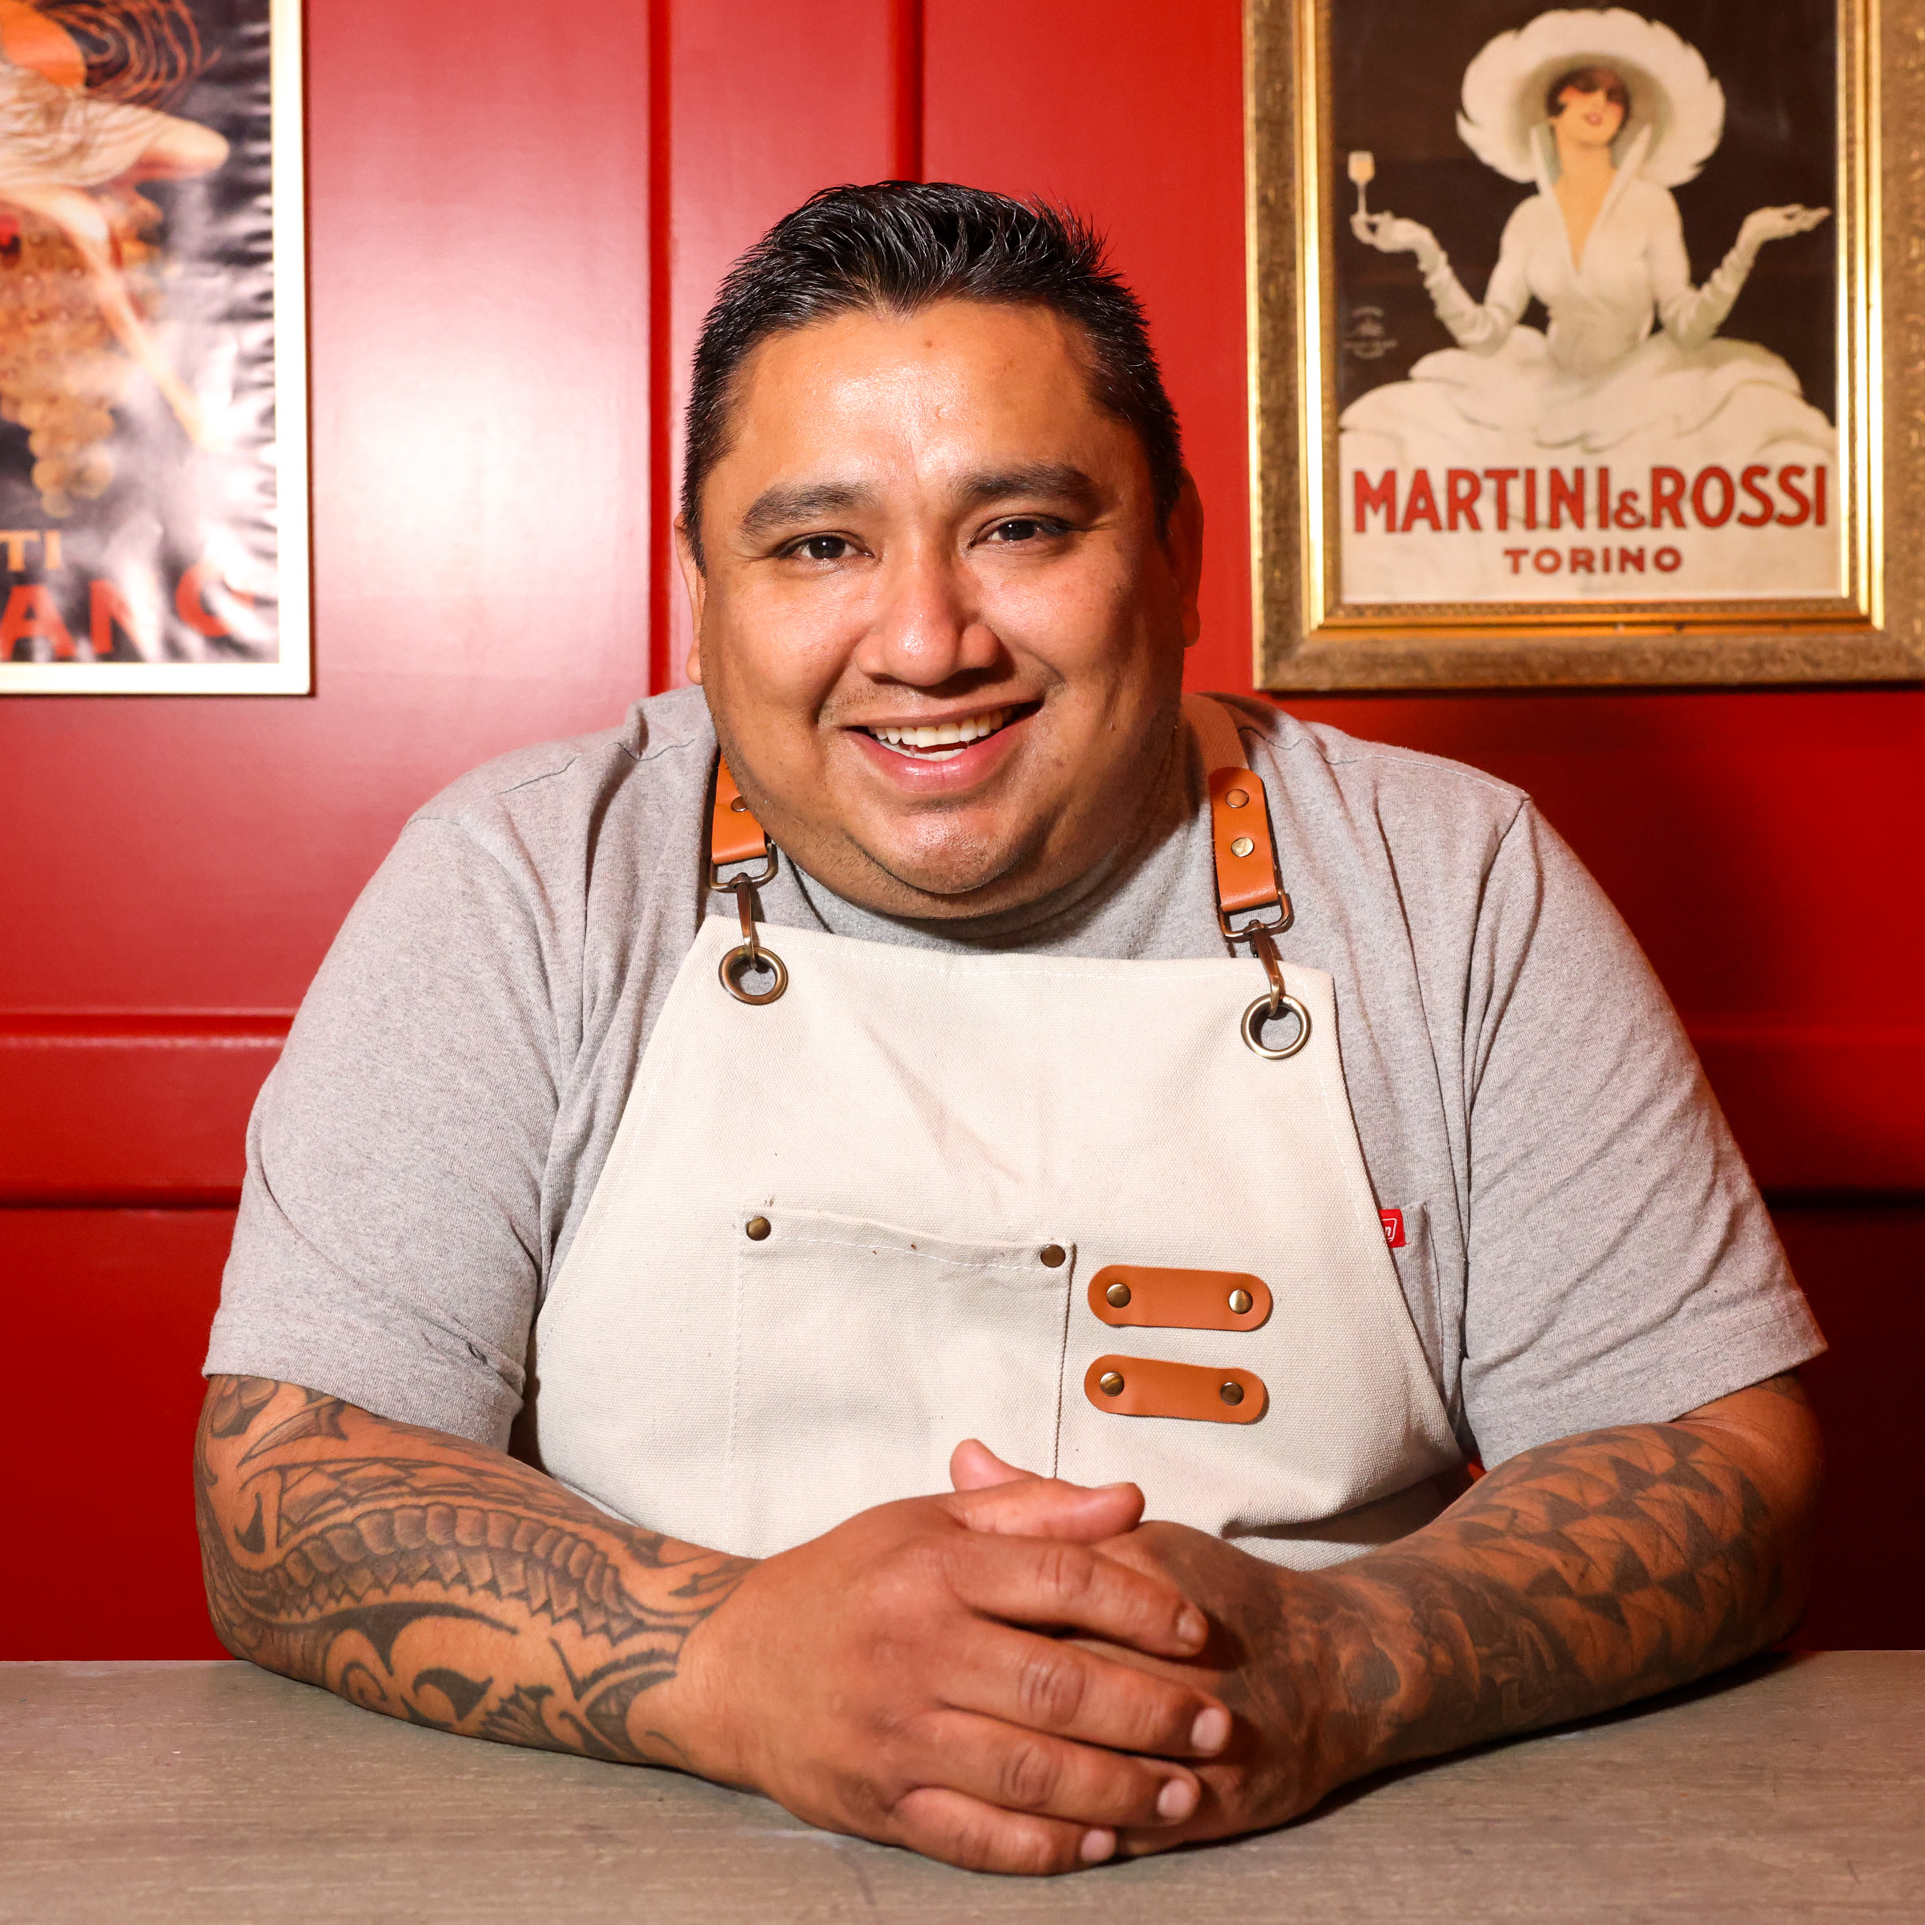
824	548
1021	528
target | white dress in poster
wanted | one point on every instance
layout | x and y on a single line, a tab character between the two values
1626	451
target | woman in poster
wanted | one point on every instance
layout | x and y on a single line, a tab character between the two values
1606	112
60	144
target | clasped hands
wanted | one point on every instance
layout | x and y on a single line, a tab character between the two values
1021	1676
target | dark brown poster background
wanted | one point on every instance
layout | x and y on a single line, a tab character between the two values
1397	67
135	528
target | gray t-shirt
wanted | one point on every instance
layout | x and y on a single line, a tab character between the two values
1582	1244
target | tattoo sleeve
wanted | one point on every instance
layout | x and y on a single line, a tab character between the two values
436	1580
1574	1578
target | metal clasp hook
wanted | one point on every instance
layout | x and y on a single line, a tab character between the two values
1266	1009
749	954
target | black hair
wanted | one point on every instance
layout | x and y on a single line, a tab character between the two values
1588	80
899	246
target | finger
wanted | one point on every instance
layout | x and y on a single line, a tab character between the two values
973	1466
1051	1584
1017	1769
1048	1507
1051	1685
964	1831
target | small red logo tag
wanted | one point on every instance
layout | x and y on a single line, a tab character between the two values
1393	1228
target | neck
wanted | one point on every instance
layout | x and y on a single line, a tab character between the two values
1585	166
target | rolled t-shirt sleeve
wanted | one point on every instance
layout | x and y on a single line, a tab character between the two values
388	1249
1622	1268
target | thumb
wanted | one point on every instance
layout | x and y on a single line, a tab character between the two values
996	1497
973	1466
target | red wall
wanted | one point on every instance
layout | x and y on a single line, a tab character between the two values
515	228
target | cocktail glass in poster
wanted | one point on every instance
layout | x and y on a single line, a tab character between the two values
1584	341
153	398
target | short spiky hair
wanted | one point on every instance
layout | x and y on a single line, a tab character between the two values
899	246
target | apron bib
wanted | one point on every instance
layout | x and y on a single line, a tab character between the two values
1060	1204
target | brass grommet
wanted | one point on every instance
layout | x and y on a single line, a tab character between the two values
757	1228
1118	1295
740	960
1239	1301
1111	1384
1230	1391
1264	1010
1242	846
1235	799
1054	1256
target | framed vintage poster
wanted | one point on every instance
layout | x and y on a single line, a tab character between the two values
1567	362
153	362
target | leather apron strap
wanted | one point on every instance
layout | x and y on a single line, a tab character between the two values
1246	858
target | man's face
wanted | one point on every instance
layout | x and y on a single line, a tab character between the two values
928	524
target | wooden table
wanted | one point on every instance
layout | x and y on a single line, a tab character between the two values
212	1792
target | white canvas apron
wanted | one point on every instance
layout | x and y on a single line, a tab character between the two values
842	1230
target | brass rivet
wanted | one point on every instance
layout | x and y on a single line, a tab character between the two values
757	1227
1242	846
1118	1294
1239	1301
1231	1391
1055	1256
1110	1384
1235	799
740	805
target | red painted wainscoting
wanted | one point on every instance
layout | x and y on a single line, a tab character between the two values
515	228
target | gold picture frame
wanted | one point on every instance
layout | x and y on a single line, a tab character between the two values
182	564
1309	634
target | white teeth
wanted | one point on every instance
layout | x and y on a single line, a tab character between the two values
946	738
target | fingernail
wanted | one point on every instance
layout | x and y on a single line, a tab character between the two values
1096	1846
1211	1732
1191	1625
1177	1799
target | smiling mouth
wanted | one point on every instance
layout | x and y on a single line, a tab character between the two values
943	741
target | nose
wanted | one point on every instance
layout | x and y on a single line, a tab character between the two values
928	627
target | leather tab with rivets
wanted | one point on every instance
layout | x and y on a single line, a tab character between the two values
1153	1387
1132	1295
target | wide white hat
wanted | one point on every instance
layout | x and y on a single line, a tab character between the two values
1675	104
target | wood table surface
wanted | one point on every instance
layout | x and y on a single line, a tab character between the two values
1794	1790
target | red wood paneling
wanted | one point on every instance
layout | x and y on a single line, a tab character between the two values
107	1314
117	1111
1864	1270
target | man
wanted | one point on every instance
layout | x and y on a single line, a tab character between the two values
996	1108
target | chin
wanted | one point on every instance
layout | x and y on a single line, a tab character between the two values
950	880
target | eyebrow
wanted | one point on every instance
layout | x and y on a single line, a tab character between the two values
1056	480
783	506
779	507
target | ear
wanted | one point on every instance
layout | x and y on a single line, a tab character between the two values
1185	544
696	583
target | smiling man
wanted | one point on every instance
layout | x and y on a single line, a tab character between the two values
931	1228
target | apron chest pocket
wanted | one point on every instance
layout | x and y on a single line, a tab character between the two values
863	1353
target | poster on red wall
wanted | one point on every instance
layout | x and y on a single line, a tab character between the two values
153	365
1584	384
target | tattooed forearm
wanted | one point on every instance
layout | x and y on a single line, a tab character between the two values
436	1580
1576	1577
